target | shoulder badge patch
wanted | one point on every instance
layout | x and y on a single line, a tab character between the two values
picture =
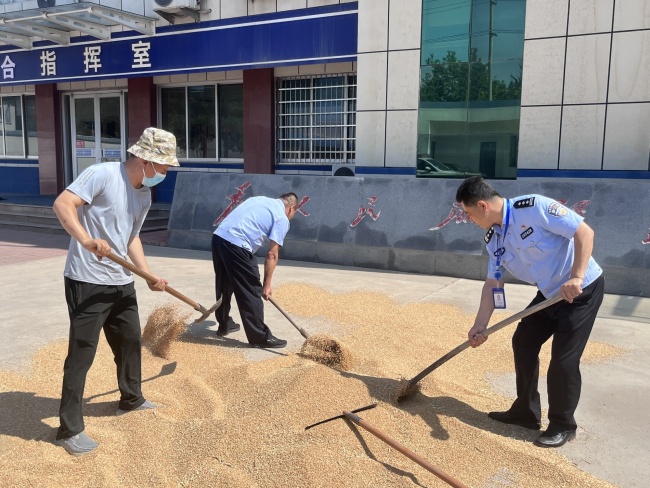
557	210
489	235
526	202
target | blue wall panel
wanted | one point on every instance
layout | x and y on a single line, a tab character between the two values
19	180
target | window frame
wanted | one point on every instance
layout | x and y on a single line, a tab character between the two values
4	155
187	85
348	112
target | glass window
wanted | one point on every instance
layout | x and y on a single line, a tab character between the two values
13	126
316	118
468	121
190	113
202	121
445	30
173	116
231	121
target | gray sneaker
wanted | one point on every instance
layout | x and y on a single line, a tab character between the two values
77	444
147	405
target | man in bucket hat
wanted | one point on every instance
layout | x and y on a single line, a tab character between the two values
103	210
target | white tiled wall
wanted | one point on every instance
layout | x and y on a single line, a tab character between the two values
401	138
592	99
371	79
630	79
543	71
589	16
371	138
581	145
587	63
539	137
388	76
547	18
627	137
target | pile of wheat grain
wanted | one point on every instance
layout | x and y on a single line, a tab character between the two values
231	422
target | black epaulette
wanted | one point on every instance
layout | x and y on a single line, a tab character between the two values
489	235
526	202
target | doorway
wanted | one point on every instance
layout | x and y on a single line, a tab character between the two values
97	129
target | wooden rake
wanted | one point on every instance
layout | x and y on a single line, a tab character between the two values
408	388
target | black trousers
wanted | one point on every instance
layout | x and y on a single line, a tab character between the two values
236	272
91	309
570	325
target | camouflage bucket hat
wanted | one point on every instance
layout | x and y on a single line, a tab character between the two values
156	145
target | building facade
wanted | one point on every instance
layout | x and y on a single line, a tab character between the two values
432	88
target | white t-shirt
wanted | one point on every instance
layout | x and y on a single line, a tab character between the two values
254	222
114	211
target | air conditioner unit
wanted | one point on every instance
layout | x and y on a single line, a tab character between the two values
167	5
343	170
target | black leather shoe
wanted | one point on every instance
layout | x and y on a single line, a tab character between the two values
509	418
229	329
555	439
272	341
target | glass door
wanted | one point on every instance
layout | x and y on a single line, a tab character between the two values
98	129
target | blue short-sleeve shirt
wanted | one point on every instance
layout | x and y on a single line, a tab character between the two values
538	248
253	223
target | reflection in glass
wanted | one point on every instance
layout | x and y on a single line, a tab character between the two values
111	128
470	87
202	119
173	118
231	121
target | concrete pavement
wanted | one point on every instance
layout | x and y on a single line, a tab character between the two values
614	436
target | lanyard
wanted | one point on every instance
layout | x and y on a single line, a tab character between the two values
501	250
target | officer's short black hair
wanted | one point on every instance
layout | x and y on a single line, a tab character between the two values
474	189
289	198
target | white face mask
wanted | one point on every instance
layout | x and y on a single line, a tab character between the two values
154	180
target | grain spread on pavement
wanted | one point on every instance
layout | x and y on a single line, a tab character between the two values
230	422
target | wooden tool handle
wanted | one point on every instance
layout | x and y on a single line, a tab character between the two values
300	329
498	326
404	450
151	279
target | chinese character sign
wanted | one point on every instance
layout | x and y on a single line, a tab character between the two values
7	68
647	239
91	58
48	63
363	211
141	55
235	200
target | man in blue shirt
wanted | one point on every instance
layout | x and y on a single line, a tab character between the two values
257	221
539	241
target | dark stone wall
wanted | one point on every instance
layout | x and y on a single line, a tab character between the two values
412	225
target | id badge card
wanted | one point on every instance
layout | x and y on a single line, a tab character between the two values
499	297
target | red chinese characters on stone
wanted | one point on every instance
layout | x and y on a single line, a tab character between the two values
461	217
363	211
579	207
456	214
300	205
647	239
235	199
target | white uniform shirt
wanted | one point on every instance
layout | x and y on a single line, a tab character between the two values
538	247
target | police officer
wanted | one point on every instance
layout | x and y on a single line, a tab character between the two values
254	223
539	241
